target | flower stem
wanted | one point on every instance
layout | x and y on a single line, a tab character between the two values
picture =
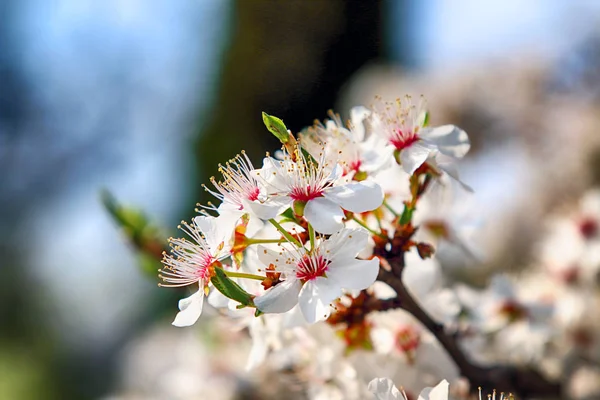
285	233
367	228
390	209
233	274
263	241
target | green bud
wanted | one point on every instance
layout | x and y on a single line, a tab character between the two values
276	127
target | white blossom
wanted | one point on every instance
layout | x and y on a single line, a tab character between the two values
315	278
190	262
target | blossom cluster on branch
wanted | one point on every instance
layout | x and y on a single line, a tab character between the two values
326	255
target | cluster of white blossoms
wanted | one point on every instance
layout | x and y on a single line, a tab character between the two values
307	212
306	238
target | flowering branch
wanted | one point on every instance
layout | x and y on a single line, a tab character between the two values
524	381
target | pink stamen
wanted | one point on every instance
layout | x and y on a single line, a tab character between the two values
402	140
310	268
305	194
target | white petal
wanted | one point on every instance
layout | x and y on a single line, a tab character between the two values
324	215
357	117
316	296
449	139
452	172
439	392
191	308
420	276
345	244
354	274
415	155
217	299
280	298
218	231
265	211
356	196
260	348
384	389
282	260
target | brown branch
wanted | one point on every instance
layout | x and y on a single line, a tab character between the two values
522	381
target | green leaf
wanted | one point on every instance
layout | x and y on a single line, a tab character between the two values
258	313
230	289
276	127
288	214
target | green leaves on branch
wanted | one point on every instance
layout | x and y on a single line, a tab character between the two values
276	127
138	230
230	289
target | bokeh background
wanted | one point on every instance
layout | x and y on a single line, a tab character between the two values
142	99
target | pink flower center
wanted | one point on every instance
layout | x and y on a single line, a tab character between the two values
310	268
253	194
402	140
353	166
204	261
305	194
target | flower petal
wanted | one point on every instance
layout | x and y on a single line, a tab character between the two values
324	215
264	211
191	308
439	392
315	298
413	156
354	274
452	172
384	389
218	231
280	298
357	117
420	276
281	260
356	196
449	139
345	244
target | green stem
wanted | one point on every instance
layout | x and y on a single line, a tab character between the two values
311	235
285	233
367	228
232	274
263	241
387	205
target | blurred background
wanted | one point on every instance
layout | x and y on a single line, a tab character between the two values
141	99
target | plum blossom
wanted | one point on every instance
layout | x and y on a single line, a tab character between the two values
313	279
317	190
403	125
242	193
358	153
192	262
384	389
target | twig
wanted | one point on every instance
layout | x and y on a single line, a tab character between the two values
522	381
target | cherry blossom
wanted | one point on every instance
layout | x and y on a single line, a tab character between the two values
315	278
191	262
317	190
403	125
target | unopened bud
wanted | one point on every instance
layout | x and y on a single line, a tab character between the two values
425	250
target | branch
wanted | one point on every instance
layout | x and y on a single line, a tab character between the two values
522	381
